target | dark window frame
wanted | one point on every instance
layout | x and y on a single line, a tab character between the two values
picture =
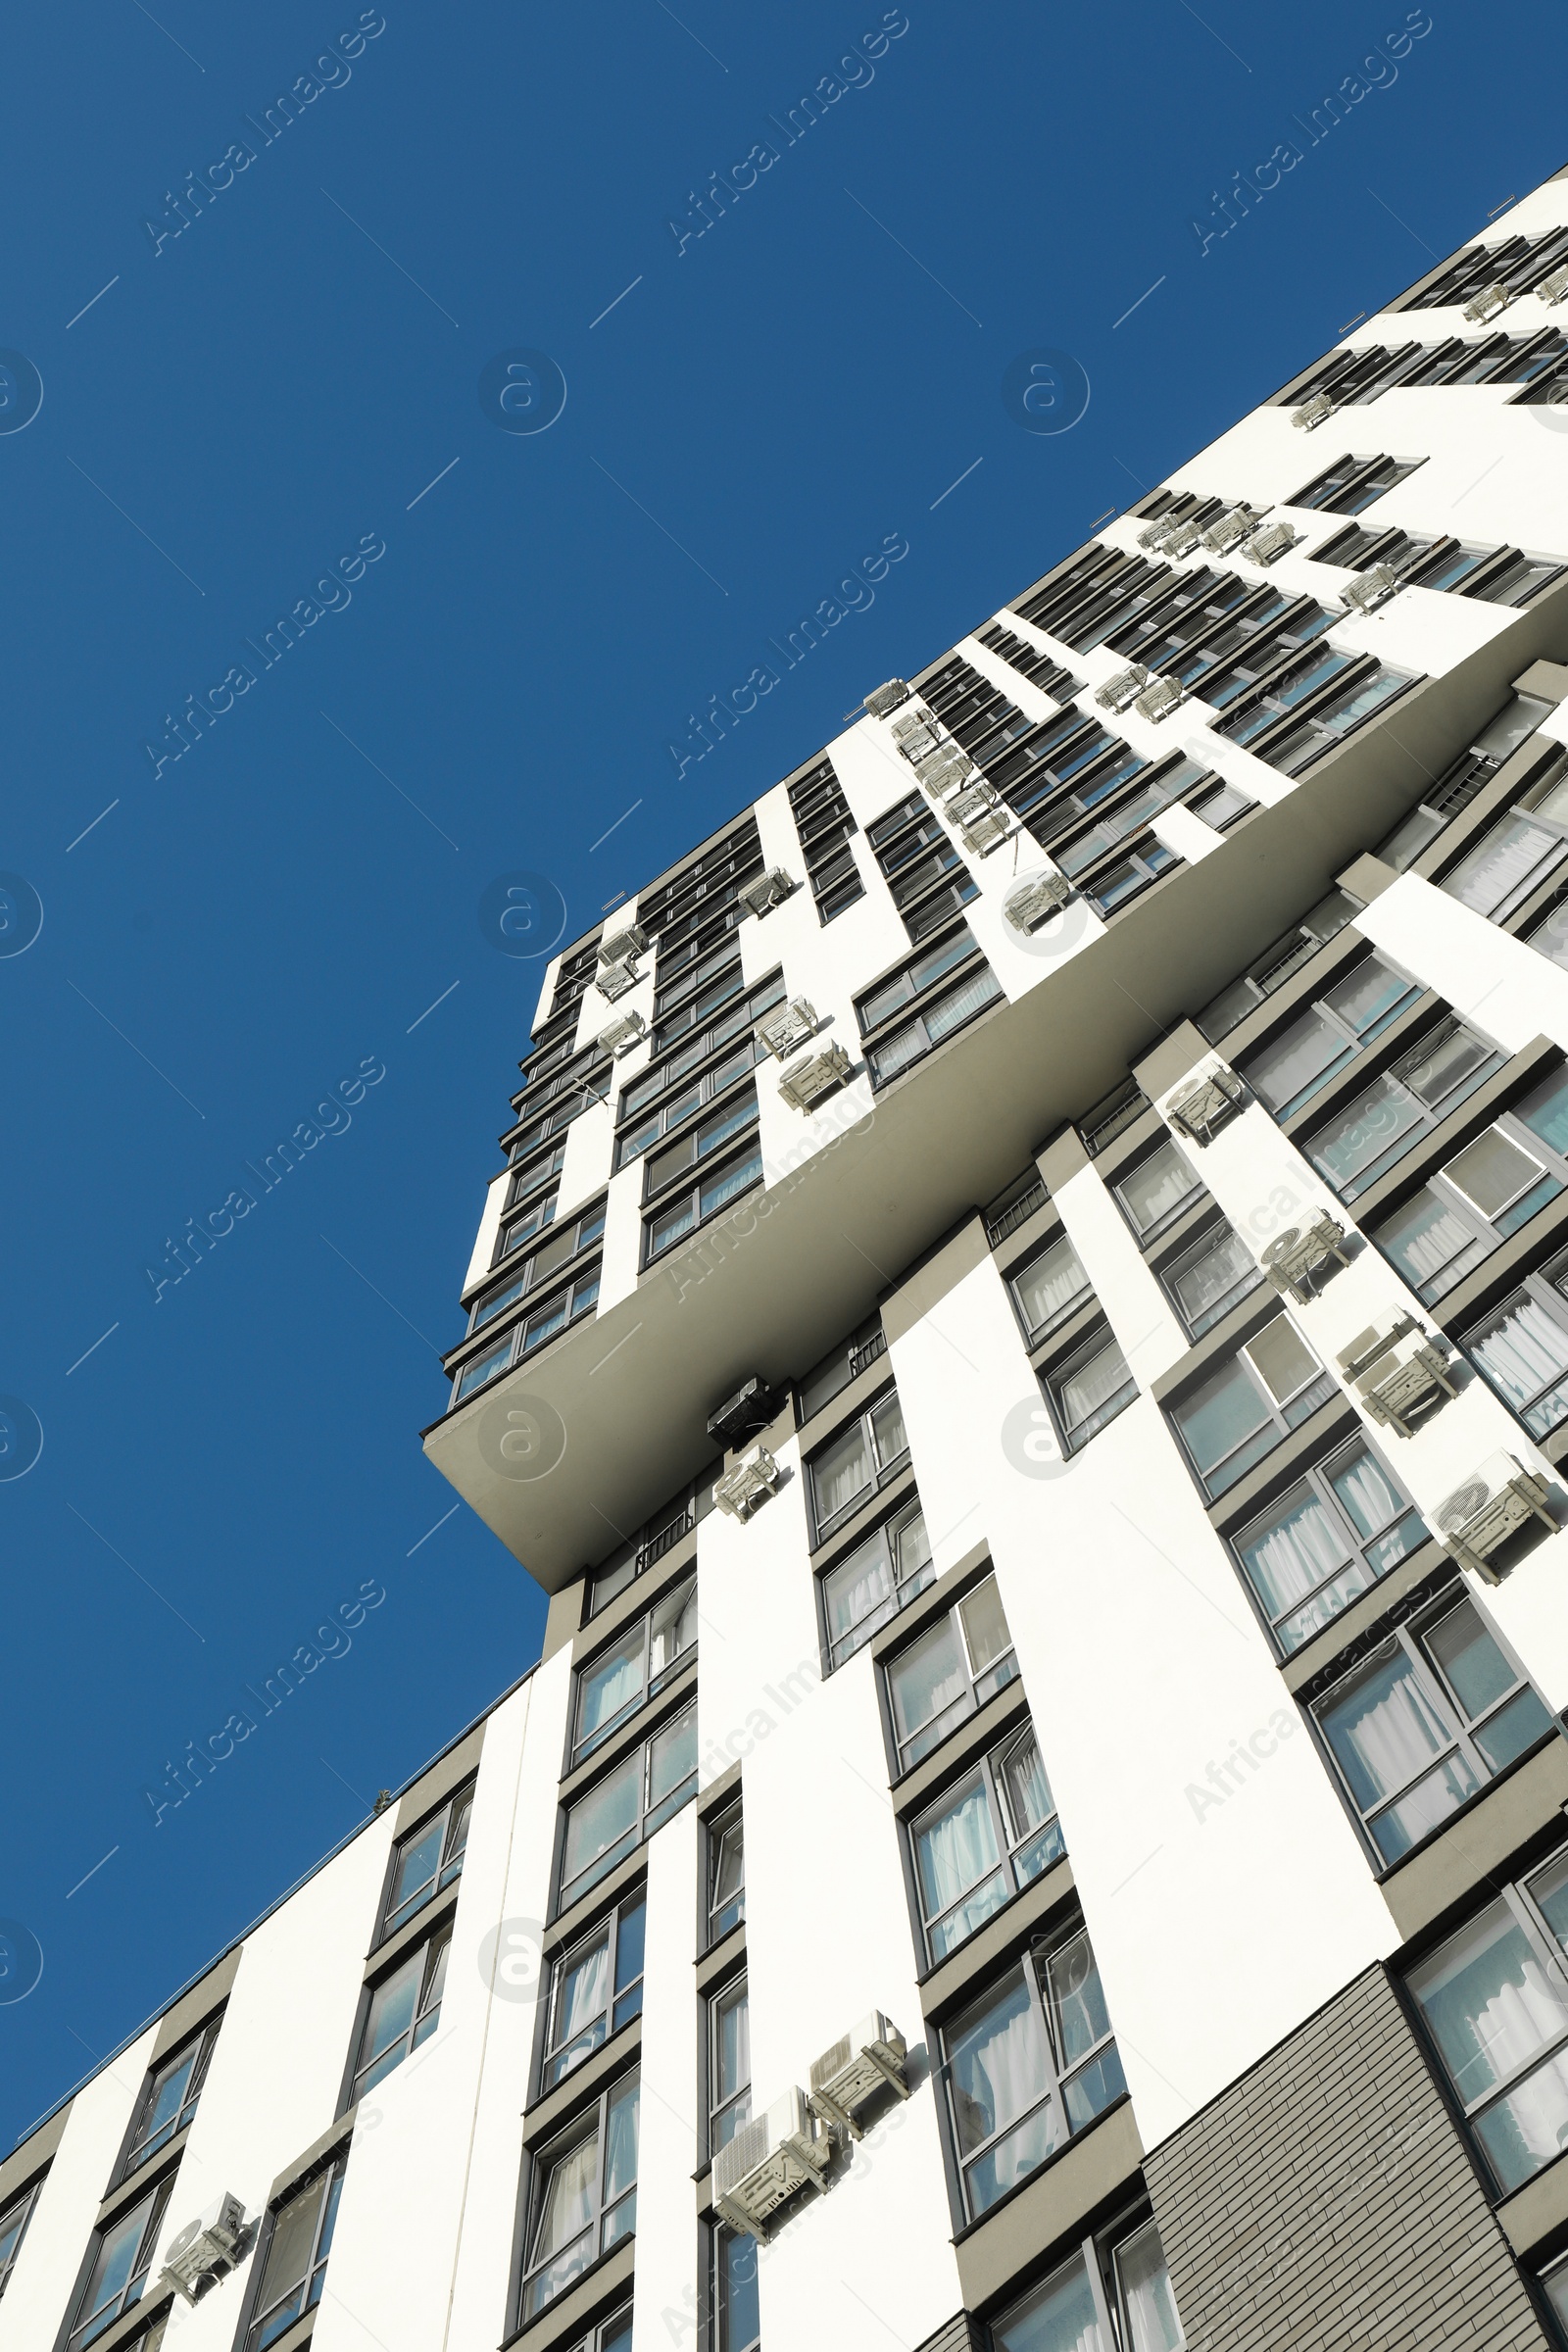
654	1684
623	1995
1337	1458
83	2327
1022	1854
984	1676
454	1814
908	1514
141	2144
651	1812
885	1467
591	2121
1281	1414
331	2170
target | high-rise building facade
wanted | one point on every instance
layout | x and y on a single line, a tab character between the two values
1023	1327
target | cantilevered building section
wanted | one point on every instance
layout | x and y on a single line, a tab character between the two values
1022	1325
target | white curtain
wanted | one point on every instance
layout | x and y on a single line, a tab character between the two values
1524	1355
1367	1492
568	2202
1000	2071
1051	1285
956	1850
1502	862
1385	1731
965	999
1058	2317
1092	1384
610	1686
1146	2290
841	1473
1430	1236
1294	1556
857	1589
1298	1060
1156	1186
583	1993
1029	1797
926	1679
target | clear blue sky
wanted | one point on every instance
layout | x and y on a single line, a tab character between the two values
249	926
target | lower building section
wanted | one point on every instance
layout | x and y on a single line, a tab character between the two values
1327	2200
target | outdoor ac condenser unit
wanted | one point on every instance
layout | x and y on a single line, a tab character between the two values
769	2161
620	1036
850	2075
207	2246
810	1080
1035	900
1487	304
1313	413
618	946
767	891
1271	541
884	699
1122	691
1477	1519
790	1028
1371	588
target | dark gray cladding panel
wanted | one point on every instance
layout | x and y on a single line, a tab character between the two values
1326	2201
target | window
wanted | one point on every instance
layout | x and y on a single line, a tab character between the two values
926	877
726	1873
547	1260
688	1101
737	2320
1089	1390
594	1989
696	992
879	1578
1521	1349
1326	1540
1273	969
1147	860
1155	1192
1221	808
121	2259
823	825
729	2065
1555	2285
610	2336
939	1015
1495	2000
428	1860
1075	855
584	2196
1357	1146
671	1074
170	2098
696	1203
1292	1067
14	2228
851	1466
1027	2065
1516	854
843	1363
1294	749
629	1804
1048	1289
1422	1726
1240	1412
568	1305
1113	2299
1482	1194
661	1534
614	1685
1352	484
988	1835
300	2242
1213	1274
948	1671
404	2010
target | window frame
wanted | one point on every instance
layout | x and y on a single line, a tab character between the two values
1407	1638
198	2048
1036	1334
837	1650
591	2121
744	1168
1284	1414
718	1835
735	2107
884	1469
1322	1010
1181	1261
25	2203
1033	1965
331	2171
882	1027
1540	1287
1485	1232
982	1681
85	2327
585	1226
1346	479
529	1333
580	1748
1016	1864
651	1814
1428	1118
623	2001
429	1955
1099	1342
455	1814
1149	1236
1317	1474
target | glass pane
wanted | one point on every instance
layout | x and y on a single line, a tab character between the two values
1058	2317
857	1594
1350	1145
740	2323
417	1868
288	2256
1529	2127
167	2098
599	1821
1476	1669
391	2011
1283	1358
673	1757
840	1472
1292	1069
1550	939
926	1680
620	2142
1365	1000
1224	1425
1545	1113
1384	1728
1368	1495
1558	2293
1077	2000
911	1555
629	1943
1084	1395
1493	1171
733	2045
564	2235
1292	1551
1026	1791
1513	1729
673	1631
1490	2003
605	1691
1047	1288
957	1847
887	1429
1524	1355
985	1628
1502	863
729	1868
1423	1808
1207	1283
1451	1056
1145	2293
1156	1185
1431	1244
116	2264
581	1993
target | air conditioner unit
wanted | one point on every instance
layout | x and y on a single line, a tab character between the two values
887	697
613	980
789	1028
1398	1372
986	832
618	946
966	805
1271	541
808	1081
1487	304
1121	691
1182	540
1035	902
945	772
1553	287
768	2161
620	1036
205	2247
1371	588
1201	1109
919	739
741	1491
1221	536
1300	1251
849	2075
1313	413
767	891
1161	698
751	1408
1494	1504
918	717
1154	533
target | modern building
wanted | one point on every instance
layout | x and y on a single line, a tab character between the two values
1023	1327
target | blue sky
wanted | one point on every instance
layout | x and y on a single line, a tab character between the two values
516	627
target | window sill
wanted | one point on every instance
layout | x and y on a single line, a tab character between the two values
721	1958
436	1914
925	1608
1467	1851
587	2299
899	1489
129	2325
582	2087
564	1929
1096	2165
1531	2215
960	1747
1303	1666
648	1718
132	2186
1004	1934
1257	1487
1429	1150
